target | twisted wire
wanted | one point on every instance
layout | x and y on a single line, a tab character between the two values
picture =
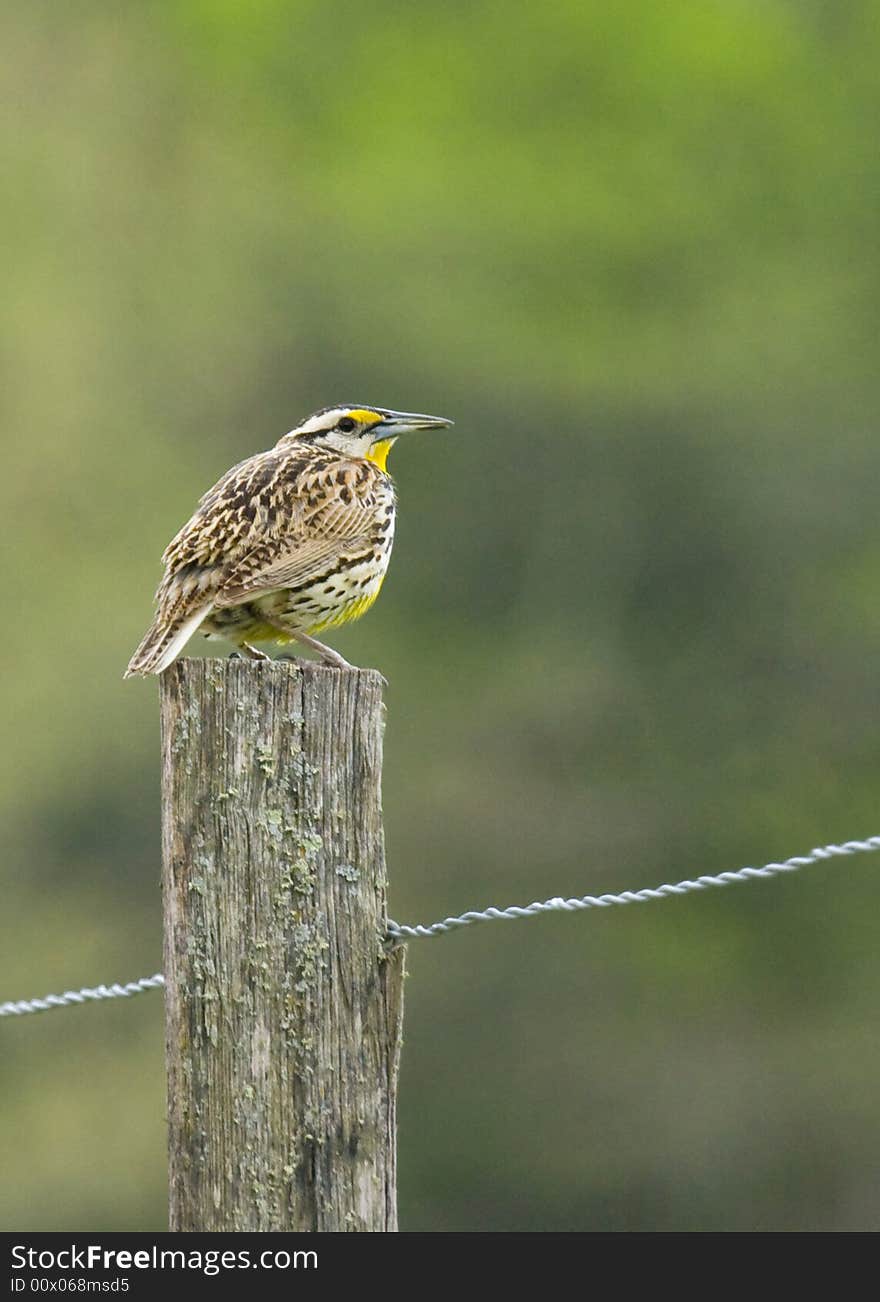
400	931
19	1007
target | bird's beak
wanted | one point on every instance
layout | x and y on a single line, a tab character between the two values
405	422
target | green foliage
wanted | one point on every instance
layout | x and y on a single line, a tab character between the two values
631	626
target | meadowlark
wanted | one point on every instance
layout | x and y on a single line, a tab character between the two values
288	543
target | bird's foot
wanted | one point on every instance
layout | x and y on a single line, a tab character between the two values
335	661
244	651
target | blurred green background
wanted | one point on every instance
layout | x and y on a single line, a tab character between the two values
631	627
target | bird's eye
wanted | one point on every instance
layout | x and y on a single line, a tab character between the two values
347	425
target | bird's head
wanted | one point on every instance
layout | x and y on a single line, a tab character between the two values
354	431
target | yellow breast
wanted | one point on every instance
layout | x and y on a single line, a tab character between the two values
349	611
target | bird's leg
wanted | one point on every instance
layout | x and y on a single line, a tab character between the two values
327	654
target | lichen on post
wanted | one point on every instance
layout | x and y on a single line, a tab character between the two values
283	1000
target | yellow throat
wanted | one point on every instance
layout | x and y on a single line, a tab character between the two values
378	453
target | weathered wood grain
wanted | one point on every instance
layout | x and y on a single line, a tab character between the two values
284	1008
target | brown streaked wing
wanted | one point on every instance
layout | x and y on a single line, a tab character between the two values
341	516
312	556
255	498
270	522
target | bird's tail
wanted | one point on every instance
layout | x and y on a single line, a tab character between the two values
163	641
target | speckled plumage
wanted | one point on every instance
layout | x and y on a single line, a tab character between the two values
292	541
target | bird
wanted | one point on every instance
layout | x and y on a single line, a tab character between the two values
290	542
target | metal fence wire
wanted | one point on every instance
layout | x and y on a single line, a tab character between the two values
401	932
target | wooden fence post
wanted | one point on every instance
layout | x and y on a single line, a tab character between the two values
284	1007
